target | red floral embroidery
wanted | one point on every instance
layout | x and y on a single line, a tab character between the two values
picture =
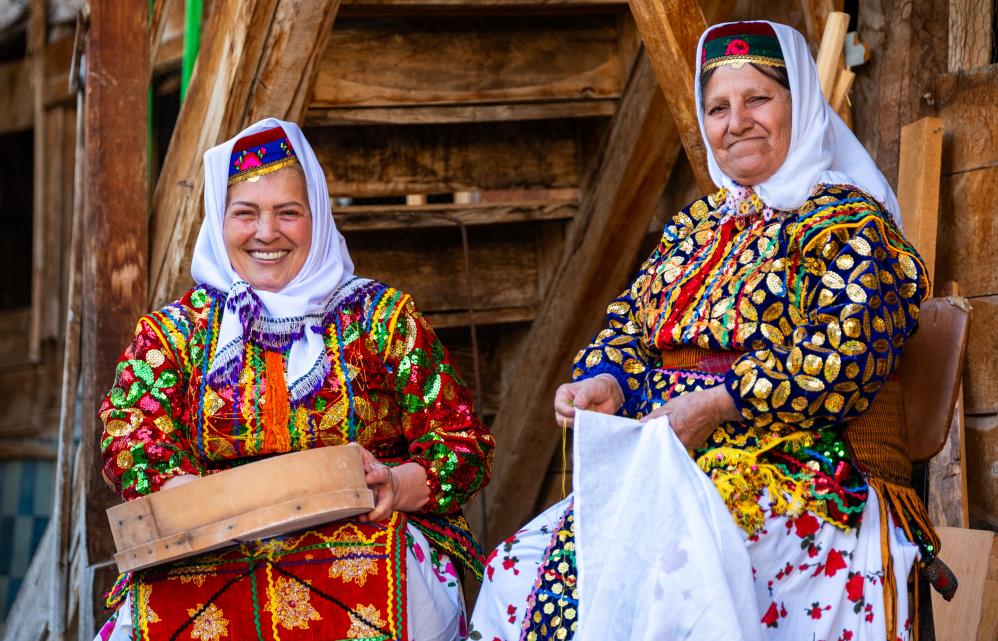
815	611
737	47
854	587
806	525
834	563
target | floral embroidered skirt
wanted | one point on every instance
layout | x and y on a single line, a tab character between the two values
346	580
813	581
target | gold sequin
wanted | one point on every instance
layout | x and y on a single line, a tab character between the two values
210	625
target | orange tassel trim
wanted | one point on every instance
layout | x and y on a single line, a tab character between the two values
276	406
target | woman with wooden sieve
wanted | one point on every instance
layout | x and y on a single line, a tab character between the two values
761	330
279	347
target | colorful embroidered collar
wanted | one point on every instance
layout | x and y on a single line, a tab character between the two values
259	154
740	42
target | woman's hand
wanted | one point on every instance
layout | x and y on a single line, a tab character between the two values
695	415
177	481
601	393
396	489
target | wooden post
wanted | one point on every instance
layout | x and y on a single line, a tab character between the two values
908	59
972	615
918	185
259	58
670	30
37	39
832	41
114	275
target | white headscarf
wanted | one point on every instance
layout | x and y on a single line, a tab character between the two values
822	148
295	315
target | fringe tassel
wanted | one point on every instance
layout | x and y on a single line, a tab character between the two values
276	408
907	508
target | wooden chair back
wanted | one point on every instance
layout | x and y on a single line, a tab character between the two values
931	372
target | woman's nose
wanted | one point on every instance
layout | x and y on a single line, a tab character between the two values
266	230
739	120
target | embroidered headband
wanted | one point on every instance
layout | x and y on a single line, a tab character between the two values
740	42
259	154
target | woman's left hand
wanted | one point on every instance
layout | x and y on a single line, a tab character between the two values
401	488
695	415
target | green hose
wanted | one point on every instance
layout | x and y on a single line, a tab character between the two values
192	39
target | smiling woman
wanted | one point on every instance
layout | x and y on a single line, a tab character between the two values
768	320
278	348
268	228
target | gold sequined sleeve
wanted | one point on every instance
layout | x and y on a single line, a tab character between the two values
620	348
856	285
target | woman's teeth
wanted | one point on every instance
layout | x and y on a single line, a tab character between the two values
274	255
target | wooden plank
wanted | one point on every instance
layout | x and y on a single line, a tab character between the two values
979	379
39	449
16	101
114	254
966	106
58	60
384	217
918	185
498	316
670	30
259	58
967	235
478	7
393	161
907	59
833	37
972	615
63	509
982	470
14	327
444	114
429	265
427	60
37	36
971	33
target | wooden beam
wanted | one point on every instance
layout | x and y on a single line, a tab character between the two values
980	381
918	186
16	99
259	58
832	41
478	7
114	275
453	60
908	59
37	39
670	30
457	113
385	217
429	265
972	615
500	316
373	161
982	457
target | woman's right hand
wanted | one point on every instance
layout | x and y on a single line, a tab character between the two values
601	393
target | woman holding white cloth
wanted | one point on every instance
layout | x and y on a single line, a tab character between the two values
768	320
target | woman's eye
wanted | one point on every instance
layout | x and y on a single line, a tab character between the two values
716	110
289	213
759	99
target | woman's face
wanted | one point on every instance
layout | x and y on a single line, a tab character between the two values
267	228
747	119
